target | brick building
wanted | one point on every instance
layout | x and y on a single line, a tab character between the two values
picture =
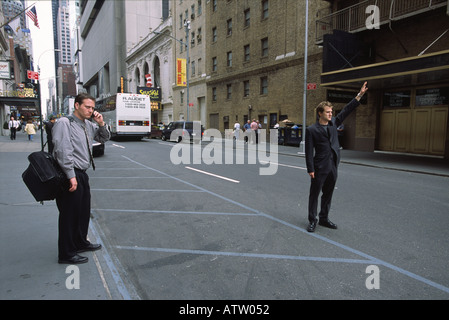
255	61
405	59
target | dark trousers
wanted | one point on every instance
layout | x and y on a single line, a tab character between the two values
74	215
324	182
13	133
50	145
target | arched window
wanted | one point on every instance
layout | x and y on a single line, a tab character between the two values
137	77
146	69
157	73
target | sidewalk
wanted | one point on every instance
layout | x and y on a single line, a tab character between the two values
29	269
385	160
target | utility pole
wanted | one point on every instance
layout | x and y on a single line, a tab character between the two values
304	107
187	28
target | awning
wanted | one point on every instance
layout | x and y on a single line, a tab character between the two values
19	102
432	67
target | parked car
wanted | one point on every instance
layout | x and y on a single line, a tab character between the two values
184	128
98	149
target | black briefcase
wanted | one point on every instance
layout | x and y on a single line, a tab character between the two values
43	177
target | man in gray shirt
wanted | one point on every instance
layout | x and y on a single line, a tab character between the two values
72	138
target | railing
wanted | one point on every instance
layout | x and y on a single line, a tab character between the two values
353	19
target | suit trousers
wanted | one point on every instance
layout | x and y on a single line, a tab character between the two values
74	217
324	182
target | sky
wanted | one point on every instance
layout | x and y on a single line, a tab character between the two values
42	45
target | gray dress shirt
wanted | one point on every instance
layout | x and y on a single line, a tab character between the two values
71	149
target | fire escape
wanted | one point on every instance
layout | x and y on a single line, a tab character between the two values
353	18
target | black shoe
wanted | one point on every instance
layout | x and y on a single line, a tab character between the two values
76	259
90	247
328	224
311	227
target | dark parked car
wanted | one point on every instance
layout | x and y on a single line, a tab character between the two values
194	129
98	149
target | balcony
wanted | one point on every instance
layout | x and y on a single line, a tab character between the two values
353	19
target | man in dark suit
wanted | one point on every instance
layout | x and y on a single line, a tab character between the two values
322	137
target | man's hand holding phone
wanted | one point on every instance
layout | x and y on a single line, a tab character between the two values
98	118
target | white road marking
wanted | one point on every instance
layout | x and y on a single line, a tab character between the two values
213	175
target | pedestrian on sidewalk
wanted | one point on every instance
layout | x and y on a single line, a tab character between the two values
72	138
254	128
323	156
12	126
30	129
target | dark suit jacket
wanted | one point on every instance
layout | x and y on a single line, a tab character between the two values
317	139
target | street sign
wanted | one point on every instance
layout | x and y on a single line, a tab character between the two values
32	75
311	86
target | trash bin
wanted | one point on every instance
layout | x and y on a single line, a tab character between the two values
292	136
281	132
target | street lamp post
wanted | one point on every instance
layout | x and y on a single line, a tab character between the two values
39	95
186	44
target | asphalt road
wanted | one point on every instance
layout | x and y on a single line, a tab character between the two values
223	231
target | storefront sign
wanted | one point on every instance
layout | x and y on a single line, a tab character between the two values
24	91
432	97
5	71
155	96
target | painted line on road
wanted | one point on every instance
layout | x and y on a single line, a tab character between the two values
129	178
118	146
110	263
147	190
245	254
281	165
337	244
213	175
180	212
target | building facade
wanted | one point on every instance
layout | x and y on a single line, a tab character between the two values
246	60
18	96
255	62
189	27
149	58
402	49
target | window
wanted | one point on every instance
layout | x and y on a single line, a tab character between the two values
264	9
246	53
214	34
229	91
181	42
247	18
199	36
193	68
246	88
229	27
229	59
192	39
200	7
214	5
264	47
264	85
214	64
214	94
